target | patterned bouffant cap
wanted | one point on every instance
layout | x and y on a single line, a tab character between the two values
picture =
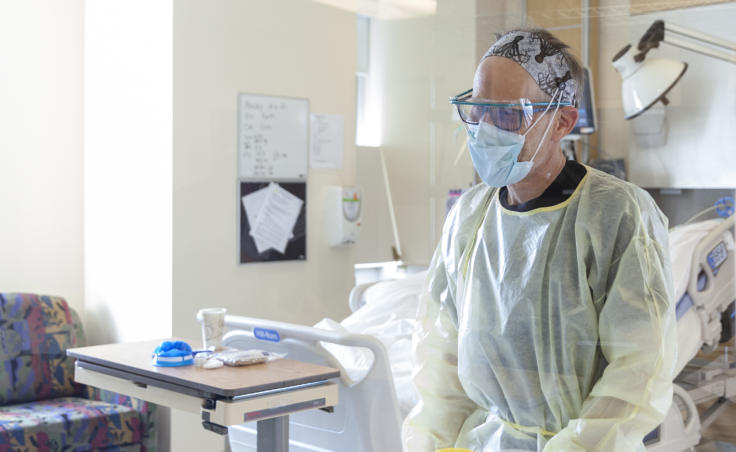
545	63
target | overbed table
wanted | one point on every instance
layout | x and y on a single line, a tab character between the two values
266	393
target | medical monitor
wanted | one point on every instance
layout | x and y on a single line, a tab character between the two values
586	109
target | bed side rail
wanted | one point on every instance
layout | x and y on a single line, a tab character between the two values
381	365
717	261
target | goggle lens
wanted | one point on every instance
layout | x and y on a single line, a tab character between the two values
511	116
508	117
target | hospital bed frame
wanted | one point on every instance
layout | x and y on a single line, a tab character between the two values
711	292
715	261
355	299
366	419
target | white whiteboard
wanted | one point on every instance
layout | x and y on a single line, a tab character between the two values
700	151
273	137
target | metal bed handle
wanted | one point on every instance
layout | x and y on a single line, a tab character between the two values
700	258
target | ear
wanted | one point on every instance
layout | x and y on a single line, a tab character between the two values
564	124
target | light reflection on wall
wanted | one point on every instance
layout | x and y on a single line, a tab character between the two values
368	131
386	9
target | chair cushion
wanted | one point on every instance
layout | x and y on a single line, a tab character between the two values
35	332
69	424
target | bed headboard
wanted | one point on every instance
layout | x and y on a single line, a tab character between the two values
679	204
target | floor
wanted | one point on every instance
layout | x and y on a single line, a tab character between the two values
721	434
717	446
723	431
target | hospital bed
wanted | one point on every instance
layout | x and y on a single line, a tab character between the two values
372	349
703	275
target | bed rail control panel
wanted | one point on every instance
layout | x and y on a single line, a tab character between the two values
267	335
717	257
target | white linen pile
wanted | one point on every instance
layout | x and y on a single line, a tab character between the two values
389	314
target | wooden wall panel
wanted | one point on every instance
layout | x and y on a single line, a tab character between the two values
572	37
648	6
558	13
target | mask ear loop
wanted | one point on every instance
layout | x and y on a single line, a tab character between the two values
548	125
544	112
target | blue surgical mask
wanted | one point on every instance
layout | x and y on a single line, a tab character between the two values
495	152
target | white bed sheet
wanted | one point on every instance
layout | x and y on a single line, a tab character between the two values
389	314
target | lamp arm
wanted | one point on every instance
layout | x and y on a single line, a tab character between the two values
700	36
705	50
673	34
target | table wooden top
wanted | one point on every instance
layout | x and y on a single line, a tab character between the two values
135	358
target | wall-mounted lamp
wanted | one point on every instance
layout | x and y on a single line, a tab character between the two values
647	82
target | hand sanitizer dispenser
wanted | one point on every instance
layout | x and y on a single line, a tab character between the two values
344	207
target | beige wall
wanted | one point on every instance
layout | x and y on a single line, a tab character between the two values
215	58
376	235
41	148
419	63
291	48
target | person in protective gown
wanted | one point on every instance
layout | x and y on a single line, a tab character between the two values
548	323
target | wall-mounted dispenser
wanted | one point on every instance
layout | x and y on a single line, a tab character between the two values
344	210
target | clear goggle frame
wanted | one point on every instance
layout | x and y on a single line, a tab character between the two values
512	116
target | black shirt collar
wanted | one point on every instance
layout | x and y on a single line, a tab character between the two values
559	190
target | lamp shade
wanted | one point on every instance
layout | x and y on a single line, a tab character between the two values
645	83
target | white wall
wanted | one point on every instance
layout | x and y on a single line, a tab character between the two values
41	148
701	137
292	48
127	169
698	152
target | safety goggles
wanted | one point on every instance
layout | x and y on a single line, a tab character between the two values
507	115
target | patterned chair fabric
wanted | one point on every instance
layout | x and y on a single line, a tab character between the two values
68	424
34	335
44	409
